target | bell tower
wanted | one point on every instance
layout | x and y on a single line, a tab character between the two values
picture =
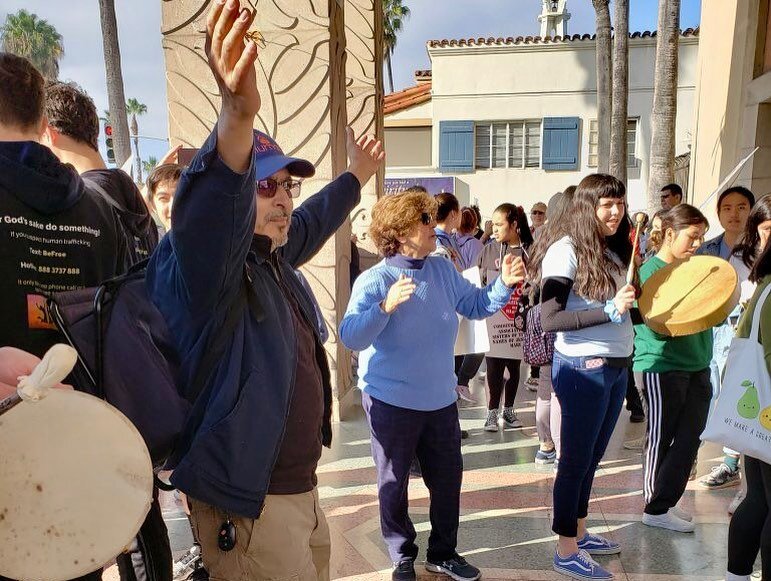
554	18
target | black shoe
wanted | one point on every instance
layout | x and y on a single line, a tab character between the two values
404	571
457	568
464	434
637	417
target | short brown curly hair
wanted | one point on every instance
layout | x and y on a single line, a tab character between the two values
72	112
395	216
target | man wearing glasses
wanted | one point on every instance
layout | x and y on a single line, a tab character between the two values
537	216
247	458
671	196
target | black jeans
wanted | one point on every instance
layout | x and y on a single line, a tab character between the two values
750	529
495	368
467	366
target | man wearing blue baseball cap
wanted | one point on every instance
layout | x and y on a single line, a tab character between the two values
247	458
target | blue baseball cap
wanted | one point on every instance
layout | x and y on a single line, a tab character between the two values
270	159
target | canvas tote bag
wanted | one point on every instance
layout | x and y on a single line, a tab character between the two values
742	416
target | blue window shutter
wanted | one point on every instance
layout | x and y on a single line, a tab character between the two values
560	143
456	146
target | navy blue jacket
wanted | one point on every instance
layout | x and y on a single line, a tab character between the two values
230	444
711	247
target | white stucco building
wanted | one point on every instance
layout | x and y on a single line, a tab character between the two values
514	120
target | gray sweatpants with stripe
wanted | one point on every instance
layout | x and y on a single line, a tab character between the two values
678	404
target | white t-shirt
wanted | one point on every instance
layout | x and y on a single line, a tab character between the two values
747	288
607	340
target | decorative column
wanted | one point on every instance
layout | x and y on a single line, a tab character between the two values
301	76
364	85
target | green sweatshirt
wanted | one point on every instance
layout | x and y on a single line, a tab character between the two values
745	323
657	353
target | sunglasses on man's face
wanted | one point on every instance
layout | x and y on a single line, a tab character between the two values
537	213
268	188
426	218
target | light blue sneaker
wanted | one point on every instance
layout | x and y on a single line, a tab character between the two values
597	545
580	566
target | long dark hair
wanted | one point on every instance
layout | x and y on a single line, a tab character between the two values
681	217
560	206
516	215
594	275
748	246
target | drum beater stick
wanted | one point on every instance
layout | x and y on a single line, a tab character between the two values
640	219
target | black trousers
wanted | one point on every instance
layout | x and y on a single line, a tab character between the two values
495	383
633	401
467	366
678	404
750	529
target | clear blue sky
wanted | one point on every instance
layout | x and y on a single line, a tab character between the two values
142	56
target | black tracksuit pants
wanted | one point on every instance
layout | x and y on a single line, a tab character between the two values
678	404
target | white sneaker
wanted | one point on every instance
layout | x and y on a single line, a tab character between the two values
668	520
732	577
680	513
738	498
464	393
491	423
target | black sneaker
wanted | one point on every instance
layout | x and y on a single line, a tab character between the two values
404	571
457	568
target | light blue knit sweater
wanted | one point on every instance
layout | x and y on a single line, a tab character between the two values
407	357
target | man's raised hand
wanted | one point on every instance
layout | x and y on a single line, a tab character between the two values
231	60
365	155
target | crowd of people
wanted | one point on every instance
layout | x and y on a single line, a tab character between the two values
246	460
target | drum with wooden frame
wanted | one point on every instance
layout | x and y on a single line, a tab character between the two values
75	484
689	296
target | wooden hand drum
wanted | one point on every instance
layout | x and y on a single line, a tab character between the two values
689	296
75	485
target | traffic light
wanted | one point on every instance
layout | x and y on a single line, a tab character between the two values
108	143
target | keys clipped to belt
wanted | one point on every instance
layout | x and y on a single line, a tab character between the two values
226	538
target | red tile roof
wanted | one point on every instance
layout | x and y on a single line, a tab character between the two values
445	42
407	98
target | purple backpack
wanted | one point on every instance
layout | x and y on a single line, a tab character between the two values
538	345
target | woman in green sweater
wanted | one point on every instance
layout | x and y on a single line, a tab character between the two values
676	377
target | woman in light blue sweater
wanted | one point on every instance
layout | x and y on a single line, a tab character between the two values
403	318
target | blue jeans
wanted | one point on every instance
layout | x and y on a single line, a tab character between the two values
591	401
721	336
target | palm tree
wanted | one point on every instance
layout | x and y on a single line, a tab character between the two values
25	35
604	97
134	108
662	157
394	15
150	165
620	100
115	96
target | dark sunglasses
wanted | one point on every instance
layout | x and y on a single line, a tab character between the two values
426	218
268	188
537	213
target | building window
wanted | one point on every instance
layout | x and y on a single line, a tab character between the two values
631	142
513	144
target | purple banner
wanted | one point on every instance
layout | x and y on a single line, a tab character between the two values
433	185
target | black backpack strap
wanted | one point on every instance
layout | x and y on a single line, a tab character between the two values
215	348
92	185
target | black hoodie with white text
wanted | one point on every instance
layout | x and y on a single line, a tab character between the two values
55	236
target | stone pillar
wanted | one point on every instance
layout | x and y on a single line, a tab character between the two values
364	85
301	76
